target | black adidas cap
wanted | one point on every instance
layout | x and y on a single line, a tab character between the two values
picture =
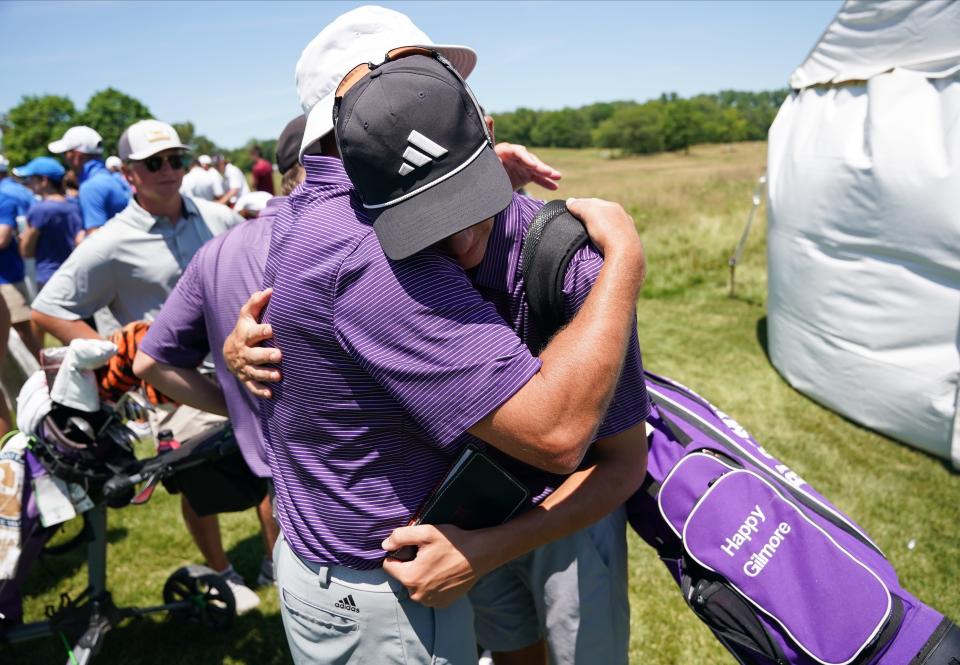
413	141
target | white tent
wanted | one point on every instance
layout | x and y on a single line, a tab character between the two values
864	222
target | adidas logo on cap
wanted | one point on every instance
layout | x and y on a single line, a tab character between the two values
347	604
417	157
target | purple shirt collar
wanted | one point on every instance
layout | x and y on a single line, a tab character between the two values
322	170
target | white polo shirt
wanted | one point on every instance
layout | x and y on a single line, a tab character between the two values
235	179
201	183
132	264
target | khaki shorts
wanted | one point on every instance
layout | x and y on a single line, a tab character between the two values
18	301
339	616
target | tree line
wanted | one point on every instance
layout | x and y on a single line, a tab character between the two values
626	128
39	119
635	128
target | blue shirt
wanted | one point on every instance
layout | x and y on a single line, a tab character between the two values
58	223
122	180
101	195
15	200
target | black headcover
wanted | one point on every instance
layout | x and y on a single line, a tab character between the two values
553	238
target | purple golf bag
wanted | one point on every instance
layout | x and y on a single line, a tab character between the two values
777	572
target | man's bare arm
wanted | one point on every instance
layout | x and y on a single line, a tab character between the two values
65	330
449	560
6	235
551	420
28	242
183	385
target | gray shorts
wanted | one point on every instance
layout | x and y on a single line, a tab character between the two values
336	615
572	592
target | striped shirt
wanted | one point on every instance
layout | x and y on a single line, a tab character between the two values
386	365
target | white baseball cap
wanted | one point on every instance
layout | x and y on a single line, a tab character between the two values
146	138
80	138
204	160
364	34
113	162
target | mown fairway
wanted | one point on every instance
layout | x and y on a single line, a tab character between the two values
690	210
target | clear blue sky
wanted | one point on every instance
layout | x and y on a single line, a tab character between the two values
228	66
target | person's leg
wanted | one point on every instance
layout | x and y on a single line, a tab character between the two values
17	300
505	615
206	534
580	587
269	530
185	423
268	526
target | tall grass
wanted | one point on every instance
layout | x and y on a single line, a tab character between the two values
690	210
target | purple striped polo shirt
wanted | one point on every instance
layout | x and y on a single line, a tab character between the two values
385	366
202	310
499	278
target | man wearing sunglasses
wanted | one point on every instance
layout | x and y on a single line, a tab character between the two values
101	195
131	268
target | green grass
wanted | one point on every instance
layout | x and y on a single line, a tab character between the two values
690	210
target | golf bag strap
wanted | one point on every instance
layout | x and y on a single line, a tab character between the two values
553	238
943	647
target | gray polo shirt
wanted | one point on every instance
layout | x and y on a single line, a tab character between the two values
132	263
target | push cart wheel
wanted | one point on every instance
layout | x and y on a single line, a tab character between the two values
209	600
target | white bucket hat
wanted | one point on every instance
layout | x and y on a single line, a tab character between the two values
364	34
80	138
146	138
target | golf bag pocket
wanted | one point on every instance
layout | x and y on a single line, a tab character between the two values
753	565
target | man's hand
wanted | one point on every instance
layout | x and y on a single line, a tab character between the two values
449	562
240	350
612	230
523	167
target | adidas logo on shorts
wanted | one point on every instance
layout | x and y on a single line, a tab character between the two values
347	604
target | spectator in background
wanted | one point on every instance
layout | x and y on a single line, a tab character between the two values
131	269
15	201
115	166
101	195
203	181
234	182
9	187
262	171
54	224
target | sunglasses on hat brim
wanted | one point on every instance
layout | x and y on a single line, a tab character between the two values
356	74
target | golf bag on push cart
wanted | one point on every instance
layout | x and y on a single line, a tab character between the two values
776	571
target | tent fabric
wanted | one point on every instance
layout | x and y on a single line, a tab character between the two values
868	37
864	243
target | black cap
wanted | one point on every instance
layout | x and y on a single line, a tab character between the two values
414	143
288	145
